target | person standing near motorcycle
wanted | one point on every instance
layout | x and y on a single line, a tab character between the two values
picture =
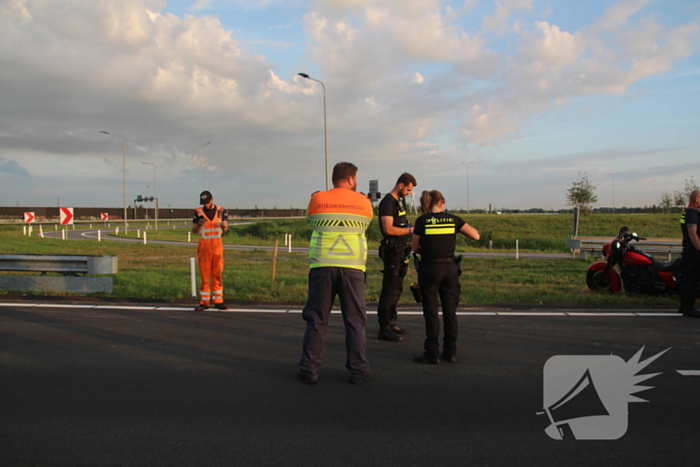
394	250
690	266
435	238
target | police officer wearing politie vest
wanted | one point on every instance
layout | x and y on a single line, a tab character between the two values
394	251
210	222
435	238
690	262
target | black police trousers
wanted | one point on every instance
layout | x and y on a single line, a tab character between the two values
395	268
690	268
440	280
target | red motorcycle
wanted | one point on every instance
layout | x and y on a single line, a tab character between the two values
637	271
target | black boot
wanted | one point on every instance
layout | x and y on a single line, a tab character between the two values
386	334
397	330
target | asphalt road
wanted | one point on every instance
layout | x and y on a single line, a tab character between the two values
91	234
123	386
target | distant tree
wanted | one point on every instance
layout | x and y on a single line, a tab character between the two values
679	199
689	187
581	194
666	202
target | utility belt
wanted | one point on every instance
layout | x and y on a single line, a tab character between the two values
396	245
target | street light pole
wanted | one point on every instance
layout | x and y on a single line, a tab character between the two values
325	124
613	191
206	164
126	224
467	164
155	196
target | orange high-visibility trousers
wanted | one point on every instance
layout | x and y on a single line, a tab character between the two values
211	268
210	253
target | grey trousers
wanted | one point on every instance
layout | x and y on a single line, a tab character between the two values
324	284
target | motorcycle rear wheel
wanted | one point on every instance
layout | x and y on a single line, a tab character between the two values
598	281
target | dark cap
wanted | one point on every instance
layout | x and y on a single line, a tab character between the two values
205	197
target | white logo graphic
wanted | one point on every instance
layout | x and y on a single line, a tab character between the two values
586	396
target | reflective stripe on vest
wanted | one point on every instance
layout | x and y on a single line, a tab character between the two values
210	230
210	233
338	240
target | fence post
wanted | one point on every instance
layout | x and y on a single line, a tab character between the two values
193	279
274	261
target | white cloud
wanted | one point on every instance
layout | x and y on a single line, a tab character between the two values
400	74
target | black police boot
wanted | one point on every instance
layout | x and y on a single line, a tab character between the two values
427	358
691	312
386	334
688	309
398	330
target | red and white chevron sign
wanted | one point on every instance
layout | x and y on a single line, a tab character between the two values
104	216
28	217
66	216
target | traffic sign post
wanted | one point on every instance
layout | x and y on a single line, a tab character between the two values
66	216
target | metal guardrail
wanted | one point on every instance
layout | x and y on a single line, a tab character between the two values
587	247
73	270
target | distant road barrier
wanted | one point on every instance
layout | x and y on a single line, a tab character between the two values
586	247
73	270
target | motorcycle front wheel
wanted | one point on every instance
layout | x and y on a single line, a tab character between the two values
598	281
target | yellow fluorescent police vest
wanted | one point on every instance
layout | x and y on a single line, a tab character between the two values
339	219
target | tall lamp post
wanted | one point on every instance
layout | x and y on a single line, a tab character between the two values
613	191
467	164
124	172
206	164
155	196
325	125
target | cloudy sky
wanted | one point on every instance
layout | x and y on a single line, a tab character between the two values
517	97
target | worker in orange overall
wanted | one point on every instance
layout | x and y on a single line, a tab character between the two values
210	222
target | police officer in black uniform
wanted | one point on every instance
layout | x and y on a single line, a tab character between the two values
394	250
435	239
690	265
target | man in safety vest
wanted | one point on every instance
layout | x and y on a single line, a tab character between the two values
337	257
210	222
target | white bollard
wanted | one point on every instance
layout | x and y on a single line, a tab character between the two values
30	230
193	279
90	225
138	233
490	244
63	234
189	237
290	243
517	253
99	235
116	230
144	238
24	230
285	239
55	227
41	232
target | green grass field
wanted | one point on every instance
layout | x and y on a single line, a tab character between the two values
161	272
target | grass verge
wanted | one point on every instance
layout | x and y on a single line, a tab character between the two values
161	272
